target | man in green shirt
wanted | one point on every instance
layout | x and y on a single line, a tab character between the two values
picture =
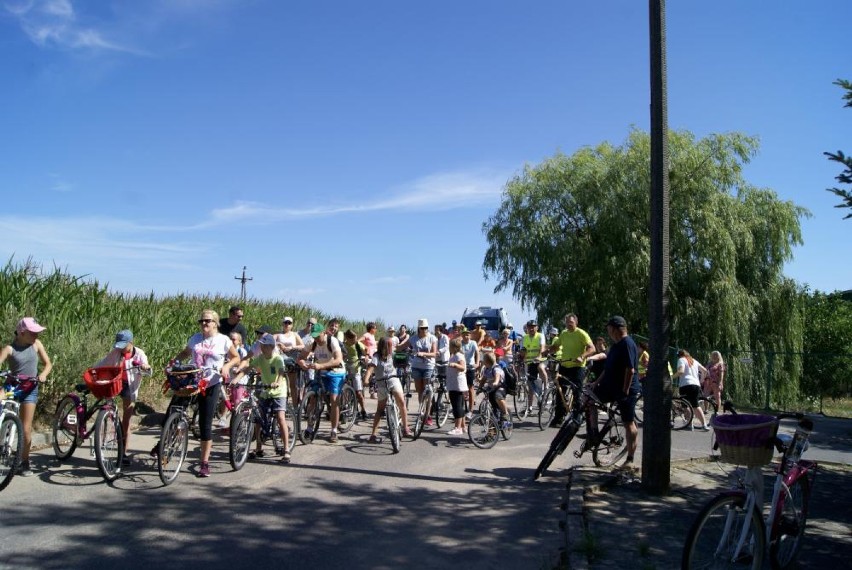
575	345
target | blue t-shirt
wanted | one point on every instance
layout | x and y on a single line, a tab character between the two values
622	356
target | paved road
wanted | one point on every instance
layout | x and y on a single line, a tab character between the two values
439	502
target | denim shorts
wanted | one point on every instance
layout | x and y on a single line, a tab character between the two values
422	373
333	382
273	404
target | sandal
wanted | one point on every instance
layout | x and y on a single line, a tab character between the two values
285	458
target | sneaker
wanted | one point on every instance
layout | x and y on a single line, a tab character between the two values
407	432
363	415
374	439
429	422
690	428
24	469
333	438
455	431
125	460
704	428
308	434
205	469
155	451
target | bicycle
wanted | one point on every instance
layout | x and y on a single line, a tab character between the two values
547	402
248	413
313	404
527	398
485	427
730	530
73	413
681	413
441	405
607	447
393	417
14	388
185	381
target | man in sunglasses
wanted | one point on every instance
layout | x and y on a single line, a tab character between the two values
234	322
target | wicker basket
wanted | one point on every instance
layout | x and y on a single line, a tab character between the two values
104	382
183	382
745	439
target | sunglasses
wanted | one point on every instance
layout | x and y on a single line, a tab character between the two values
204	321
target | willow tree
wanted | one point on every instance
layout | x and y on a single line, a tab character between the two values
572	234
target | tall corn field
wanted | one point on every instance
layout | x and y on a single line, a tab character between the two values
82	317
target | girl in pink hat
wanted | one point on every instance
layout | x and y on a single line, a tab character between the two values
23	355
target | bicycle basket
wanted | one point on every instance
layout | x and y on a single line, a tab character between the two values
183	379
104	381
400	359
745	439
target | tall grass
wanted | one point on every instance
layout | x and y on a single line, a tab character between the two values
82	317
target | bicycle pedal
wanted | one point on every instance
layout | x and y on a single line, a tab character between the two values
578	453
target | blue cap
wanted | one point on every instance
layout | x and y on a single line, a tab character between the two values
267	339
123	338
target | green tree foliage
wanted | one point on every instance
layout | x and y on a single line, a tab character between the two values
828	330
571	234
844	177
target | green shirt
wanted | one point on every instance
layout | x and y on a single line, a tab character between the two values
272	370
573	345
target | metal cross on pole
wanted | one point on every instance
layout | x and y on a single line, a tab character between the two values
242	281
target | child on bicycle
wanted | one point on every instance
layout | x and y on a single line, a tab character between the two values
492	380
133	360
387	383
24	354
273	373
353	361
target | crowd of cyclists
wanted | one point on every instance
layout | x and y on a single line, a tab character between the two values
370	361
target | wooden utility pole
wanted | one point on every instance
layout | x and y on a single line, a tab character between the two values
657	437
242	281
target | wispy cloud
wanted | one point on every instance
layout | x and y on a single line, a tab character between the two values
55	23
91	242
299	292
443	191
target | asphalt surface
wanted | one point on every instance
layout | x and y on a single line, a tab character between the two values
440	502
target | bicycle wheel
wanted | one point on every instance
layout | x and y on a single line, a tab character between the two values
788	528
520	400
482	431
611	446
713	540
174	441
65	428
394	427
547	408
242	430
11	448
311	414
347	403
442	408
292	420
681	414
639	411
506	432
421	415
563	437
109	443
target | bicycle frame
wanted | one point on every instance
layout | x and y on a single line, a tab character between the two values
84	412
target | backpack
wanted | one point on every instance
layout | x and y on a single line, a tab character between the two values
510	378
343	350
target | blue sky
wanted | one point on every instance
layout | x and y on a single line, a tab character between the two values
348	152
